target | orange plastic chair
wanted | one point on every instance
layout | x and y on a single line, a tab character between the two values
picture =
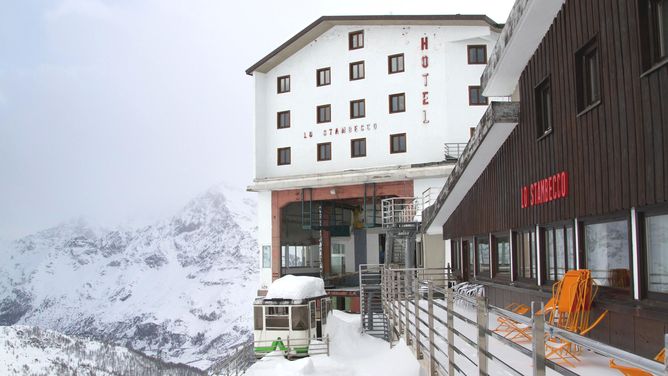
628	371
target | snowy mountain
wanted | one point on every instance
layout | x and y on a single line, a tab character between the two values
32	351
181	289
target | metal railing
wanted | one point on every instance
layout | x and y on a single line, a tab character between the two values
429	196
401	211
416	305
453	151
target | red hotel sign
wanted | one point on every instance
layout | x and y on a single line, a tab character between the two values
545	190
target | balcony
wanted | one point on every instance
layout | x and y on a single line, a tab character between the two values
453	150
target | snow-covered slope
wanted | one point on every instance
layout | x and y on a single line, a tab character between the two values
181	289
26	350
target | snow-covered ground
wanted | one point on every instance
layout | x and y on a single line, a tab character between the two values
351	353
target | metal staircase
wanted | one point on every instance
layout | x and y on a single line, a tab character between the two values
374	319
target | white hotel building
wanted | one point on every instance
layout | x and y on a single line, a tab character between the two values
351	110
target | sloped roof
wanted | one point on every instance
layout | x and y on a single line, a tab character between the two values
324	23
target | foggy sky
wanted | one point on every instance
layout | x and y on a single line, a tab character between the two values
121	111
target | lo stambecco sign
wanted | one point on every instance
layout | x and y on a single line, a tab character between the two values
545	190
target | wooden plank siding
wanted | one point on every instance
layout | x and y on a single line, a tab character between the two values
616	154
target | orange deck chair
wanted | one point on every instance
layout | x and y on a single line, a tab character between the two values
633	371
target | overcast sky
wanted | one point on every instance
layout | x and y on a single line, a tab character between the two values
120	111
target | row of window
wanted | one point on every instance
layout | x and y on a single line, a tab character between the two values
396	102
357	149
545	254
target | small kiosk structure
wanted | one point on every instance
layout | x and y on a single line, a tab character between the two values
292	317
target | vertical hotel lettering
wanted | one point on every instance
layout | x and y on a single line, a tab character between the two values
424	47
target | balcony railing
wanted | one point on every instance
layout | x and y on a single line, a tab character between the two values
453	151
401	211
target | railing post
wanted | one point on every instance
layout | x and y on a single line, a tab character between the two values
538	341
451	335
327	342
416	294
430	313
482	319
407	331
288	348
665	358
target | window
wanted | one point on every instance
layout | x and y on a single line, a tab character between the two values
607	248
258	318
283	119
398	143
477	54
277	317
325	151
266	256
455	257
356	40
324	113
283	156
338	259
559	251
357	109
654	30
300	256
358	147
656	240
397	103
299	315
395	63
502	256
475	96
482	253
526	255
357	70
587	75
283	84
323	76
471	257
544	108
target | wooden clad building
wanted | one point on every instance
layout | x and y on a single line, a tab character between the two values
581	181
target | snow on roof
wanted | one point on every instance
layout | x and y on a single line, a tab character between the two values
296	287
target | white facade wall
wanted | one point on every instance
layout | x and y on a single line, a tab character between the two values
264	234
448	112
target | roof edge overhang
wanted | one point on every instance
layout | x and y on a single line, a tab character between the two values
324	23
523	32
352	177
496	125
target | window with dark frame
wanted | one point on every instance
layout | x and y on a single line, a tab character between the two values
654	31
455	257
607	250
283	119
588	76
398	143
656	248
395	63
358	147
526	255
502	256
559	251
543	108
283	156
477	54
324	113
397	103
475	96
356	70
482	256
471	258
357	109
356	40
283	84
266	256
324	151
323	76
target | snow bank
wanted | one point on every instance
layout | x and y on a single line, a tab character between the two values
296	287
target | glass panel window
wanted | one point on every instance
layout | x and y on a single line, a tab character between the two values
482	245
356	40
323	76
325	151
358	147
324	113
266	256
357	109
502	249
544	108
559	251
283	119
283	84
299	317
471	260
357	70
477	54
338	259
656	237
607	248
526	254
397	103
395	63
283	156
475	96
258	318
398	143
587	75
277	317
